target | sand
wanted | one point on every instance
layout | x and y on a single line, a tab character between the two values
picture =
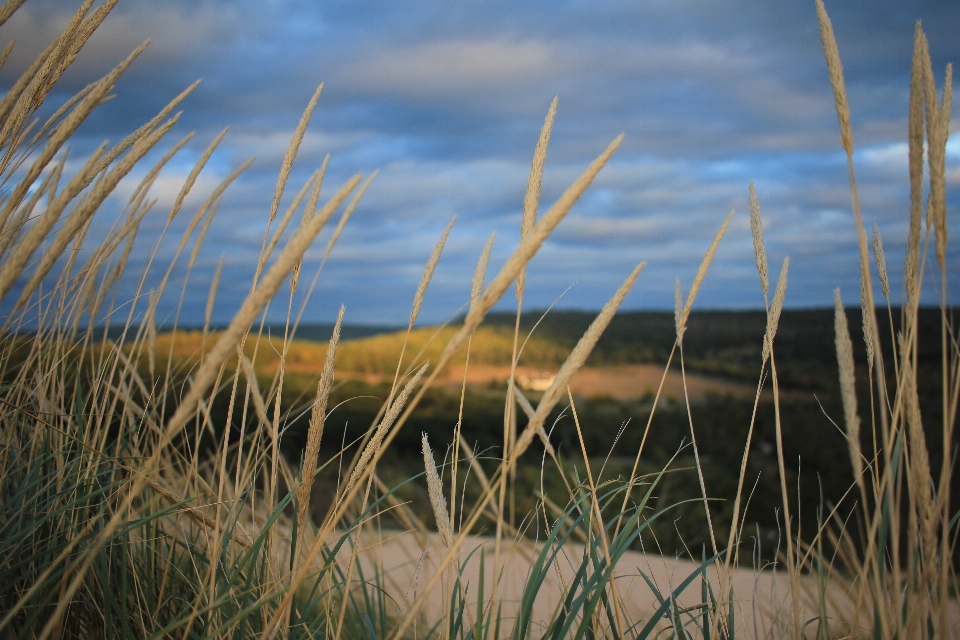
761	599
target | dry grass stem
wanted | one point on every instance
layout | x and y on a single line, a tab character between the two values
428	272
835	69
252	305
8	9
435	489
868	318
915	125
848	390
291	153
212	295
701	274
163	516
881	261
318	414
678	310
362	467
773	315
756	227
573	363
480	273
531	200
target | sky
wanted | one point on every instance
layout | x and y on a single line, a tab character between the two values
446	100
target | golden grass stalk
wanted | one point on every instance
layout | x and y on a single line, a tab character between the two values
915	126
285	168
529	411
425	279
848	390
476	288
530	245
195	173
508	272
18	258
701	274
597	521
6	52
198	216
8	9
835	69
47	187
212	295
308	211
573	363
867	320
773	314
681	313
678	310
259	405
291	153
428	272
530	204
65	129
480	273
288	216
146	128
313	201
435	489
347	213
756	227
493	292
881	261
932	123
44	74
531	200
363	465
318	415
150	319
267	288
937	174
334	237
773	319
82	214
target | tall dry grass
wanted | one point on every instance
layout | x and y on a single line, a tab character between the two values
127	511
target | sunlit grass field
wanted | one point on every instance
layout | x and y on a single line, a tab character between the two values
204	483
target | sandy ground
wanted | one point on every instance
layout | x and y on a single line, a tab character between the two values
762	601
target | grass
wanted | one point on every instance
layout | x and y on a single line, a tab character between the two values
128	511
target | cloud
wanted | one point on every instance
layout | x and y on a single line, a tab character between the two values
447	101
445	67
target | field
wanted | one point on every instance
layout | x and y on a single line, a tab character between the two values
703	474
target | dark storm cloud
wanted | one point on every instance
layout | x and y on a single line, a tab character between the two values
447	101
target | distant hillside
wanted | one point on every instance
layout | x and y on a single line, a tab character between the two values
310	332
726	343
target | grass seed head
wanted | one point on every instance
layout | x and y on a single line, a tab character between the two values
435	488
428	272
848	391
756	227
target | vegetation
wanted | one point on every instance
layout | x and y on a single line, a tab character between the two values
145	490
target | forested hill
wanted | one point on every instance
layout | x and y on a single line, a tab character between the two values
728	343
722	343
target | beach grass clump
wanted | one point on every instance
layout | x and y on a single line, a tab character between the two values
127	509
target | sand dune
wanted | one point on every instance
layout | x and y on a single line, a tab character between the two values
761	598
